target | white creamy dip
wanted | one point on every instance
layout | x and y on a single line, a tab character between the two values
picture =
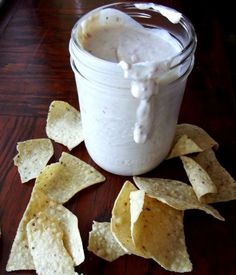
144	55
130	81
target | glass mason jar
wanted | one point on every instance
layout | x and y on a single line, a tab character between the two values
109	110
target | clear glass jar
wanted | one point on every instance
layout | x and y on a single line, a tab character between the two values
108	109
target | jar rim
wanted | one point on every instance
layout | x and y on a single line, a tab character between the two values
174	61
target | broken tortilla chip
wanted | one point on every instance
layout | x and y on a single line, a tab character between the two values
176	194
190	139
183	146
198	177
33	155
45	239
120	220
225	184
20	257
69	225
64	124
62	180
102	242
158	233
136	206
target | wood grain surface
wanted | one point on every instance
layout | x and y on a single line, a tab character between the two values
35	69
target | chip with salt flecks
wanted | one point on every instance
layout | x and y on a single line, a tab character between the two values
62	180
20	257
225	184
190	139
158	233
120	220
45	239
71	235
176	194
64	124
33	155
102	242
198	177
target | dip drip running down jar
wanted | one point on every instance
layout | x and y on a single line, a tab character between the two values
131	63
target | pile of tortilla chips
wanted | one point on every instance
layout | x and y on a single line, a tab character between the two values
146	221
58	227
48	239
210	181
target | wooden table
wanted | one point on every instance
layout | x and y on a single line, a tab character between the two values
35	69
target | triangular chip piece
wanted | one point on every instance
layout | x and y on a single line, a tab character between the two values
176	194
198	177
64	124
136	206
225	184
45	238
158	233
190	139
69	225
183	146
62	180
120	221
33	155
102	242
20	257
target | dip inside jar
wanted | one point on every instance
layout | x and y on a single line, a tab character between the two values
143	53
131	64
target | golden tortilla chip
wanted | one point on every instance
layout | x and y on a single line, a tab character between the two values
69	225
176	194
120	220
33	155
158	233
64	124
45	238
198	177
225	184
136	206
190	139
20	257
62	180
102	242
183	146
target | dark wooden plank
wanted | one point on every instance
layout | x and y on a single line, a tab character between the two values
35	69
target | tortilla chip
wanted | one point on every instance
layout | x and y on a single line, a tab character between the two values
190	139
33	155
158	233
198	177
62	180
120	220
69	225
20	257
176	194
183	146
45	238
64	124
102	242
136	206
225	184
